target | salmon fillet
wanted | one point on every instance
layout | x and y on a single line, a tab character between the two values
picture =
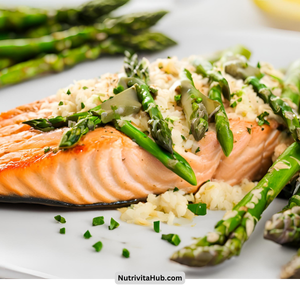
107	166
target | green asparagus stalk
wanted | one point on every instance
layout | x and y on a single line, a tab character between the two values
206	69
236	226
193	108
58	62
22	18
284	227
138	74
224	133
278	106
174	162
5	63
292	269
291	87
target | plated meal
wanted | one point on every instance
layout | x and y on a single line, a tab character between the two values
160	141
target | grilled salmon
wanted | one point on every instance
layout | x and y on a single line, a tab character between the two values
107	166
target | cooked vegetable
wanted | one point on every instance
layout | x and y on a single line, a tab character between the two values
125	253
98	221
98	246
113	224
68	58
292	269
284	227
60	219
171	238
174	162
291	87
87	235
224	134
236	226
278	106
206	69
138	74
6	62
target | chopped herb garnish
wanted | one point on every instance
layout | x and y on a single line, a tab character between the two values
249	130
160	67
156	225
87	235
176	189
118	89
199	100
60	103
199	209
171	238
47	149
68	92
183	137
98	221
239	100
82	105
237	93
197	150
234	104
258	65
98	246
169	57
60	219
113	224
262	129
262	120
125	253
85	88
153	91
62	231
177	97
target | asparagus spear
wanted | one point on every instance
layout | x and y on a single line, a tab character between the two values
278	106
236	226
174	162
224	134
291	88
193	108
68	58
292	269
205	68
138	74
5	63
284	227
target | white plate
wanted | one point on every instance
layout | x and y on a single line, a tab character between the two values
30	236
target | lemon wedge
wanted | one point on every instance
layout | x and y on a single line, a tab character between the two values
284	9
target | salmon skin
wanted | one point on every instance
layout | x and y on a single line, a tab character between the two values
108	169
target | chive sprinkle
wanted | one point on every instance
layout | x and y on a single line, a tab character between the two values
118	89
249	130
85	88
98	221
62	231
234	104
171	238
156	225
60	103
177	97
60	219
125	253
98	246
197	150
183	137
68	92
113	224
176	189
46	149
199	209
87	235
82	105
262	120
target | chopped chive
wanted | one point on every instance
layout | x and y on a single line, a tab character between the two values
118	89
234	104
60	219
46	149
177	97
169	57
258	65
62	231
125	253
171	238
249	130
156	225
160	67
153	90
199	100
68	92
113	224
176	189
197	150
84	87
98	246
60	103
98	221
199	209
262	120
239	100
87	235
82	105
183	137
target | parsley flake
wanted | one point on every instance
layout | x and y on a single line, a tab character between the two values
249	130
197	150
60	103
98	221
176	189
262	120
113	224
68	92
60	219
